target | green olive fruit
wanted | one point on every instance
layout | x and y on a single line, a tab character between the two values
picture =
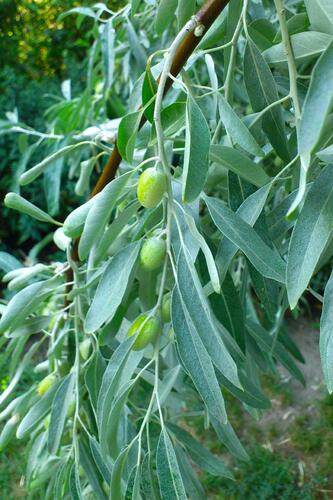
152	253
85	348
151	187
45	384
166	308
146	330
278	162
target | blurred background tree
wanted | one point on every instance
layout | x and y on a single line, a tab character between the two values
38	51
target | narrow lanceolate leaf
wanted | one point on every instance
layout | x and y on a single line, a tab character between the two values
127	132
317	105
37	170
312	231
196	151
36	413
169	478
237	129
17	202
90	468
149	88
114	229
306	46
116	486
119	372
108	52
186	9
326	335
196	360
197	308
165	12
267	344
24	303
74	223
228	309
264	259
94	376
249	211
229	438
74	484
200	455
262	92
237	162
112	287
99	214
60	405
212	270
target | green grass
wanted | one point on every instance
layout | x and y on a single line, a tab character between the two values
266	476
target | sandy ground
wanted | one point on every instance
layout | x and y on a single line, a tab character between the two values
303	398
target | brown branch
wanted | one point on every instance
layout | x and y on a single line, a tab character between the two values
205	16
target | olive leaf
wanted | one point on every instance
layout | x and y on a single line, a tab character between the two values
196	151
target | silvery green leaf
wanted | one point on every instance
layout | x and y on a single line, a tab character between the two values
196	360
24	303
115	277
264	259
212	270
169	478
197	144
326	335
100	212
239	163
74	223
200	455
37	413
114	229
34	172
237	129
17	202
262	92
310	235
306	46
320	13
62	399
197	307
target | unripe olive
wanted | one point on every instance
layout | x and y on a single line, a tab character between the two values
45	384
278	162
151	187
85	348
166	308
152	253
146	330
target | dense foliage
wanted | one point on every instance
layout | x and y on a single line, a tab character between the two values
212	211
